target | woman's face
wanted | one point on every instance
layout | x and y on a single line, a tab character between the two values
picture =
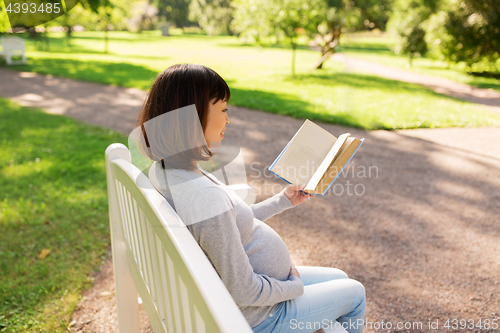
217	120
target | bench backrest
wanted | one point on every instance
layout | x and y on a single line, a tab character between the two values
155	255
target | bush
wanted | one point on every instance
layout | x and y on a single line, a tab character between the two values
471	31
408	21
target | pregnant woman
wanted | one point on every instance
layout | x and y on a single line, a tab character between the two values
183	117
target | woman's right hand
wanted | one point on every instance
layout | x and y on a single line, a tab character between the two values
294	271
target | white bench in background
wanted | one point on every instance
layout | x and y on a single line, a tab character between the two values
156	257
13	46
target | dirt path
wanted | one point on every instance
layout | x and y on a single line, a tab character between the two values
416	222
487	97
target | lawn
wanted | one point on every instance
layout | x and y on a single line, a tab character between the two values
379	49
259	78
53	198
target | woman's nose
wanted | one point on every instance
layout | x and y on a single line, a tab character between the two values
227	119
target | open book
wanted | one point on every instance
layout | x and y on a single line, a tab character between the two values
314	157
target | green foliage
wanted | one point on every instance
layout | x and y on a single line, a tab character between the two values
213	16
472	31
4	19
144	17
94	5
373	13
174	11
120	14
53	197
407	22
253	19
323	20
282	19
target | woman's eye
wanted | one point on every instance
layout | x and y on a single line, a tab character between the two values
224	110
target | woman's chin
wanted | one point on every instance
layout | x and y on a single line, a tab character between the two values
215	144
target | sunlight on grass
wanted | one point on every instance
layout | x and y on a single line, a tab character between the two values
259	78
53	197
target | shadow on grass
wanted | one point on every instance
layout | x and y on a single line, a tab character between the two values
366	48
282	46
287	105
53	197
487	85
115	73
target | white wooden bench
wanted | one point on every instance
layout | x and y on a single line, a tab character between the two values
13	46
156	257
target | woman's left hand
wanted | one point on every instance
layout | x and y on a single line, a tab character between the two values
294	194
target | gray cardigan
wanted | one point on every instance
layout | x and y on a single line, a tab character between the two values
249	256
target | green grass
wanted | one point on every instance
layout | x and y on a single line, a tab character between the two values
379	49
53	182
259	78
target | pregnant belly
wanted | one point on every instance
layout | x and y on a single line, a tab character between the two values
268	253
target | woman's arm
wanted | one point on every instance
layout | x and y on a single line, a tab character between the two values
220	239
291	196
271	206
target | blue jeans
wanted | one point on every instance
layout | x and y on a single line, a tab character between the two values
328	295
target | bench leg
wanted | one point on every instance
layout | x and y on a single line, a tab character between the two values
126	292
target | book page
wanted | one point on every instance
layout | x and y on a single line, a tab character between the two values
338	163
304	153
330	157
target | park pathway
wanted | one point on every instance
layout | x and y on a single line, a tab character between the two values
488	97
415	221
479	140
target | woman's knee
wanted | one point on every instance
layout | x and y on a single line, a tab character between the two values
342	273
360	289
337	273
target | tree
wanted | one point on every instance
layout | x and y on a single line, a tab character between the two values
342	15
374	13
144	17
213	16
408	21
280	18
174	11
472	29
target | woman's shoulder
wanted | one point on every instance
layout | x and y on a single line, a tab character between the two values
196	198
178	178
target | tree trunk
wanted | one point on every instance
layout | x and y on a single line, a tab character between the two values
328	48
106	39
106	48
294	46
68	26
32	33
324	57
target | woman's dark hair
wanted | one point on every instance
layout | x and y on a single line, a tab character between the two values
176	87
